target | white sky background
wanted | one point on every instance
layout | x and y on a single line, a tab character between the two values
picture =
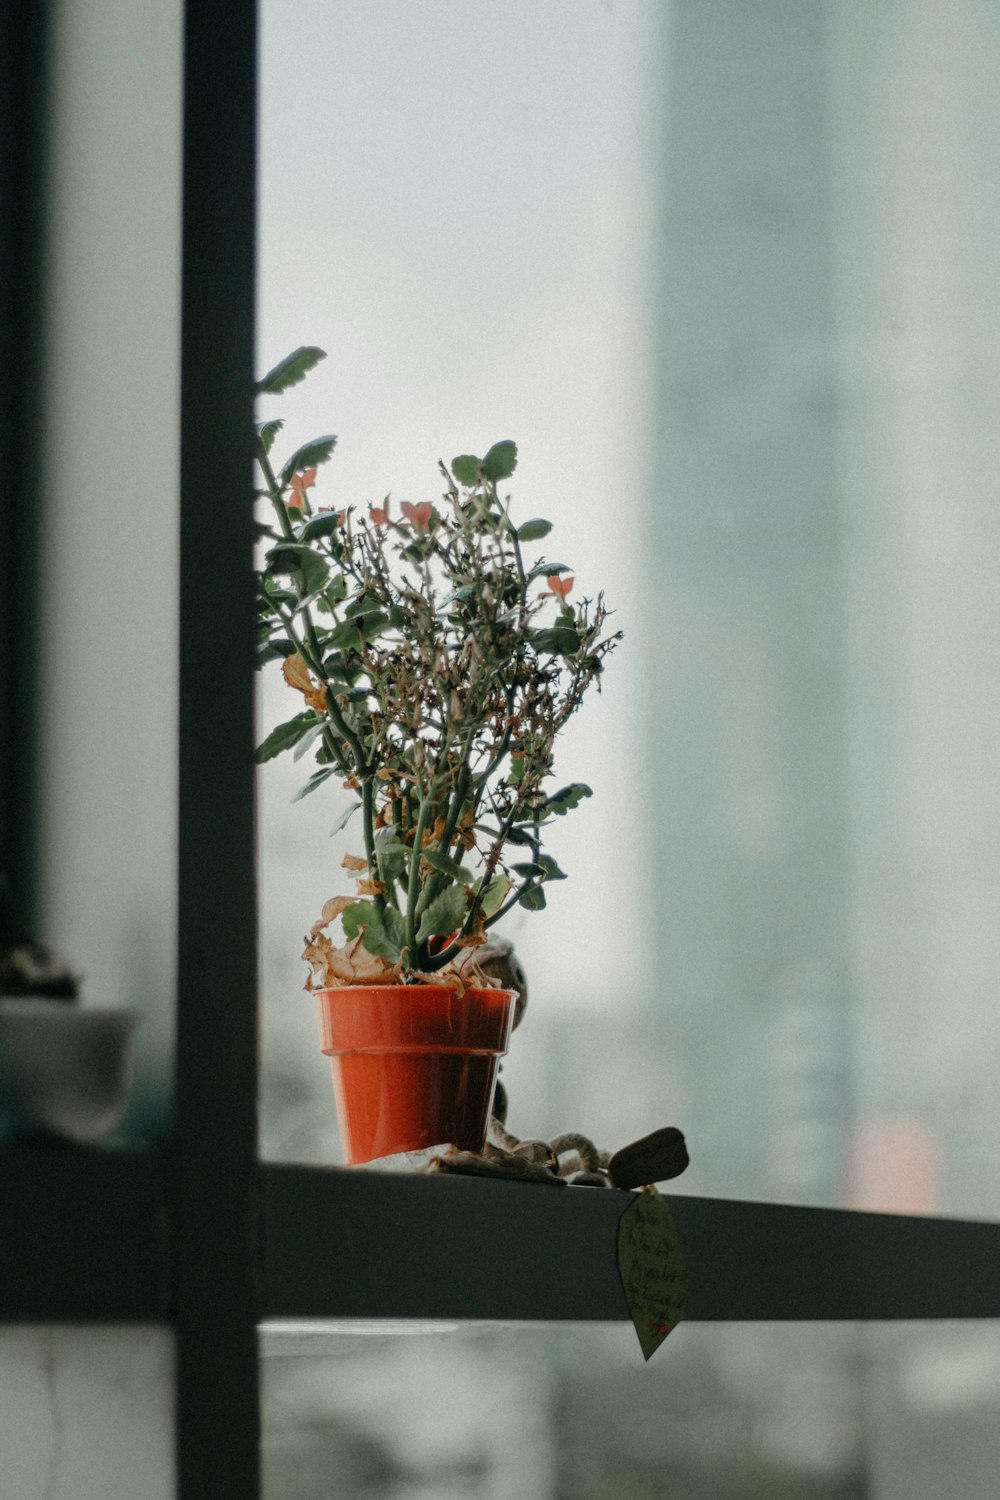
456	205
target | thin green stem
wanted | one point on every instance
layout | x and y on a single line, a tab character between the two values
413	886
371	852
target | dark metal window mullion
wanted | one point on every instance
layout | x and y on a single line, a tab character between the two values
216	1223
24	30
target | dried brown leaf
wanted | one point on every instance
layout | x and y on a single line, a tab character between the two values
296	674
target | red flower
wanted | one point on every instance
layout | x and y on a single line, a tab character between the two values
418	515
300	483
559	585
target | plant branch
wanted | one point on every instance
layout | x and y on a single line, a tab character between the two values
413	884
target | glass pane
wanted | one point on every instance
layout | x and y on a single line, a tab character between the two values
724	1412
730	282
827	739
460	217
109	475
87	1413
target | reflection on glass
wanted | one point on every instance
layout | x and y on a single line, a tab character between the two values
108	477
724	1412
731	284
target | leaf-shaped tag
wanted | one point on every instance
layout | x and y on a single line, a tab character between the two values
652	1270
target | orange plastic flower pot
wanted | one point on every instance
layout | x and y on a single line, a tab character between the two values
413	1065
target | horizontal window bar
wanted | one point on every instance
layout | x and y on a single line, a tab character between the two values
88	1236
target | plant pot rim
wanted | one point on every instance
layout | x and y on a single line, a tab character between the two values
459	990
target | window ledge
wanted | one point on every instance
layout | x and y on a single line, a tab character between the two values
88	1237
350	1243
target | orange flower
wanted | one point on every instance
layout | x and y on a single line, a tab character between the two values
558	585
418	515
380	513
300	483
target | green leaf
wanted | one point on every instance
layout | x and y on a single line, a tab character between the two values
268	431
323	524
536	871
290	370
460	595
285	558
286	735
384	928
364	604
315	452
348	633
331	596
445	865
356	916
272	591
519	837
543	569
337	665
533	899
307	739
315	574
316	779
466	470
274	651
293	557
344	818
345	637
501	461
558	639
552	870
568	797
533	531
444	915
393	857
494	896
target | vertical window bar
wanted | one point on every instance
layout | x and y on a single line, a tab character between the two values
216	1289
23	139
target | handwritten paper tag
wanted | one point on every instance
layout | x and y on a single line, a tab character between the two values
651	1266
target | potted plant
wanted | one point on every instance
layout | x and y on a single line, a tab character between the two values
436	666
